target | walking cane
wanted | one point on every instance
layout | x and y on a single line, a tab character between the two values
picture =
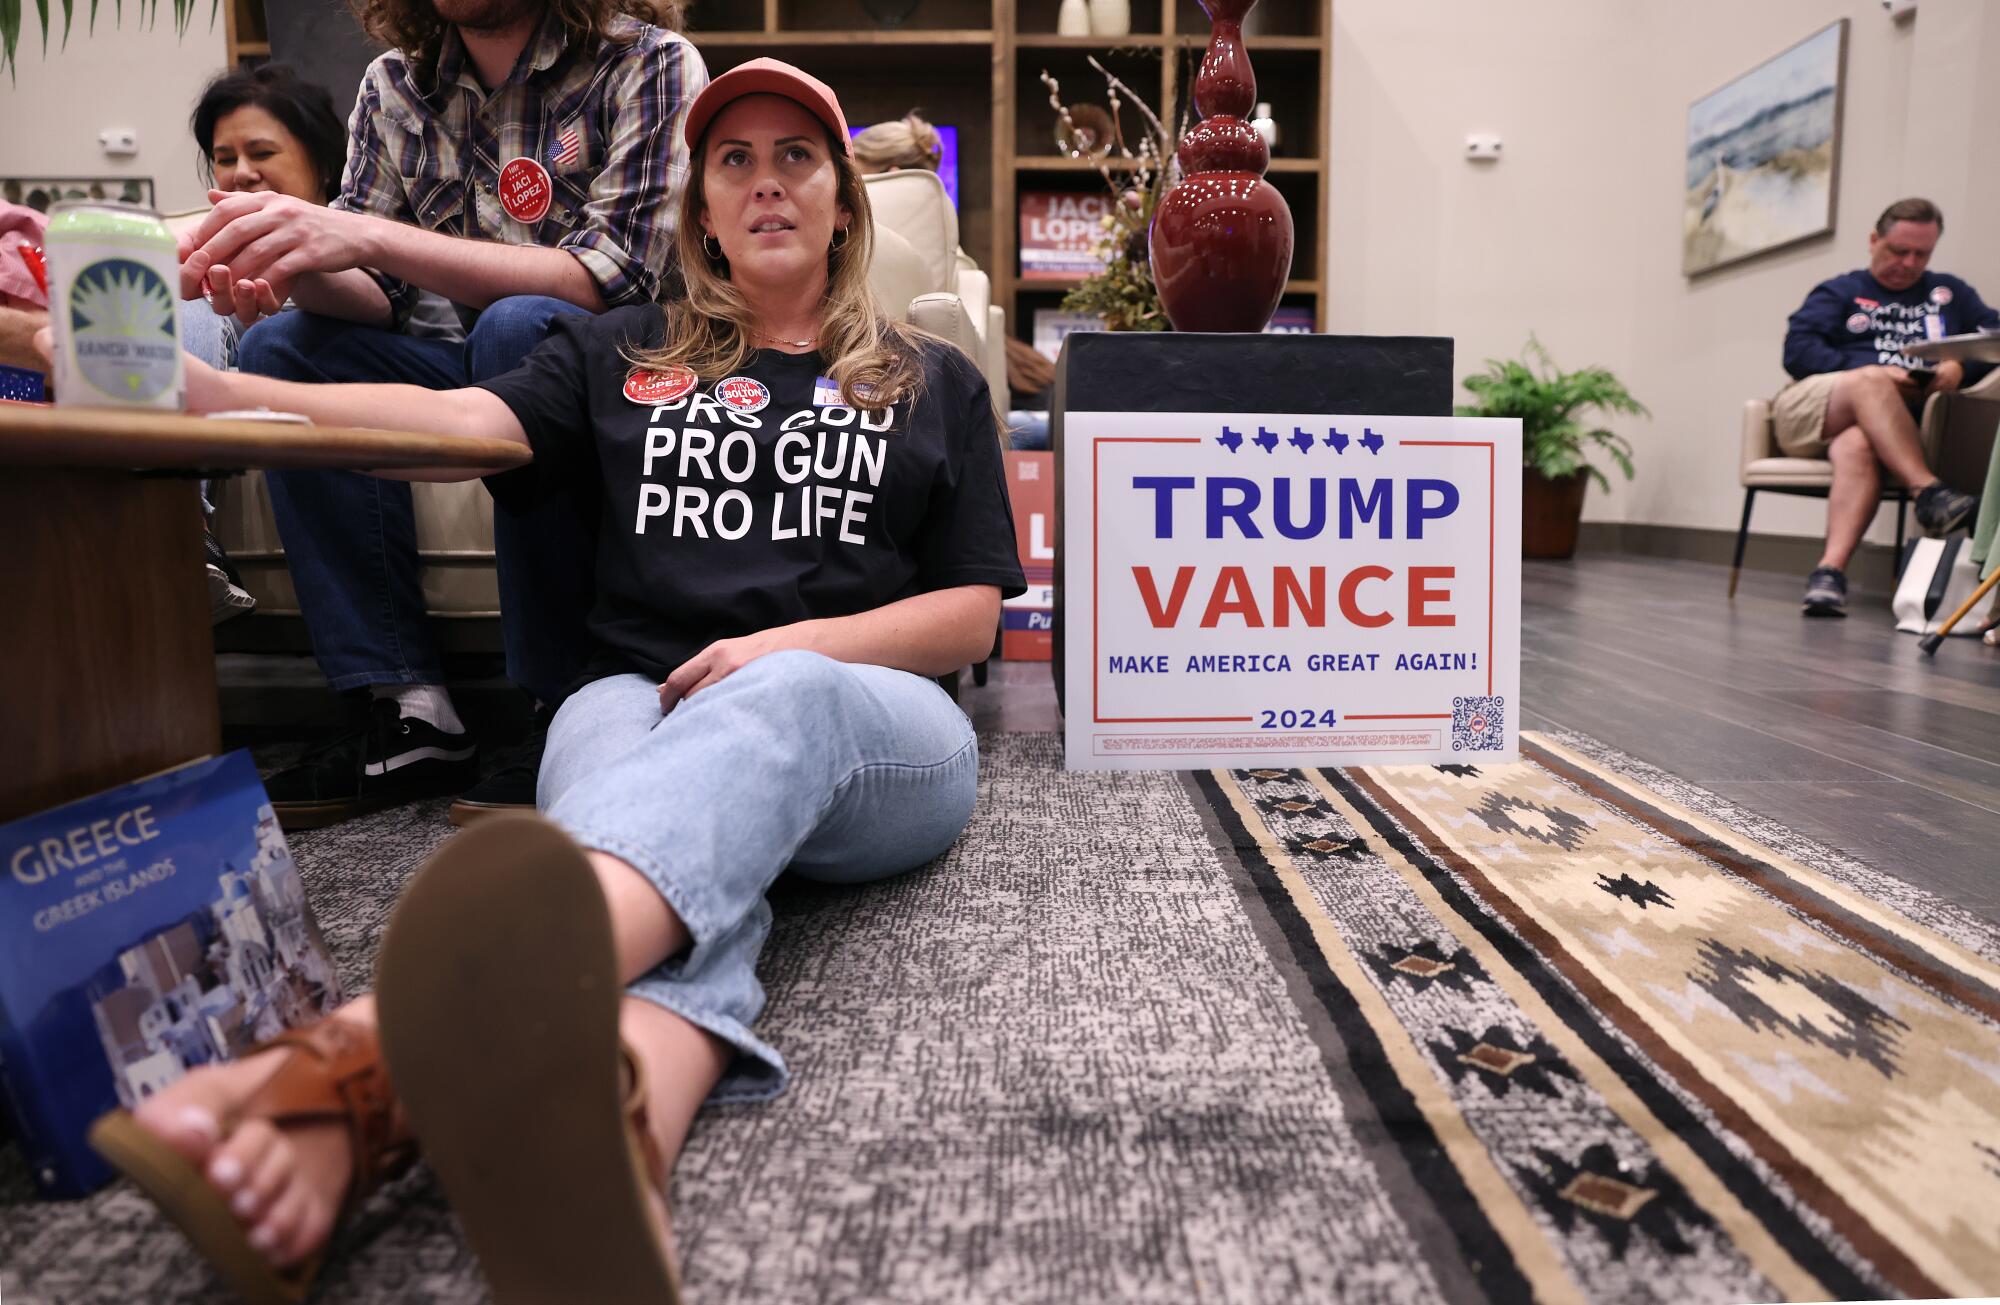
1929	643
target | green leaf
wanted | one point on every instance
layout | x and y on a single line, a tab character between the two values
10	29
1549	403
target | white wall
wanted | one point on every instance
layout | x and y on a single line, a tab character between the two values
1575	233
123	75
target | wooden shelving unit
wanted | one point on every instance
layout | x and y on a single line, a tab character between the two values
976	64
244	34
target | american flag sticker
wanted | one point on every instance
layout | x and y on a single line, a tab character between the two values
567	149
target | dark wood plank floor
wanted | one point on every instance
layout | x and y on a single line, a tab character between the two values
1837	729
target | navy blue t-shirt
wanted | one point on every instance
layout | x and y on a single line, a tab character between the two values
1855	321
735	504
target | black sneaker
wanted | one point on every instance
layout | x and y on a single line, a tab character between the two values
511	787
390	760
1942	509
1826	592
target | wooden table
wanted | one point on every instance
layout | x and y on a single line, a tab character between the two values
1975	347
107	666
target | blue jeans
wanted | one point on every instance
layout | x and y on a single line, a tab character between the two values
837	772
351	540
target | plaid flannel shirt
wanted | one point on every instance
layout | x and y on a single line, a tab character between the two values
606	124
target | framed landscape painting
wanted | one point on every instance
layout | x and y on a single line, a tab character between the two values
1763	156
39	193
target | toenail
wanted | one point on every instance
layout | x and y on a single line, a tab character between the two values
245	1204
226	1171
263	1237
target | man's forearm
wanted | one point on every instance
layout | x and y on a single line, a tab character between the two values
351	296
476	272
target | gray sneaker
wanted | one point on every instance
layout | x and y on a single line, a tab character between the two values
226	598
1942	509
1826	592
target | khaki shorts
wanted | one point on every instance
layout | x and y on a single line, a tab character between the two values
1798	415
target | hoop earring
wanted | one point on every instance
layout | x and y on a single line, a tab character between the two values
712	247
840	238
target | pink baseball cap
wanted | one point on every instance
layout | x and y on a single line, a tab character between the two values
767	77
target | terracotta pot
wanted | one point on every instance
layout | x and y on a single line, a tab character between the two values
1551	511
1222	236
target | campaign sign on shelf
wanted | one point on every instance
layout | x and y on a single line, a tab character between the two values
1276	589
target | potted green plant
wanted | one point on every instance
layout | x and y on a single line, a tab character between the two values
148	11
1122	294
1555	443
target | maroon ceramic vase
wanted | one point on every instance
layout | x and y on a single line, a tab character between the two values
1222	236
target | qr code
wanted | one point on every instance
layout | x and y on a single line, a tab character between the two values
1478	724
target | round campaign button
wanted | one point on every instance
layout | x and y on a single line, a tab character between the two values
662	386
1941	295
525	191
1857	322
743	393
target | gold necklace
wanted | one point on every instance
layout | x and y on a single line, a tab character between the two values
796	344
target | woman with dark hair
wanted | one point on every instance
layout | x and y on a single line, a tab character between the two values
804	519
267	128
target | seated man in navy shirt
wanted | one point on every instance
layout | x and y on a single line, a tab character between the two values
1854	391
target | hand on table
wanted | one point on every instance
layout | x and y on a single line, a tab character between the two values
207	388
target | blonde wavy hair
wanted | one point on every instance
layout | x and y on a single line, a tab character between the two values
872	357
908	142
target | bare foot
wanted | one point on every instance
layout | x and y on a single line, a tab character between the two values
284	1185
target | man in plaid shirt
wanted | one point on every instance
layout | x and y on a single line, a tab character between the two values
521	166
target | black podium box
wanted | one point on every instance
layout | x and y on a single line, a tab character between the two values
1146	371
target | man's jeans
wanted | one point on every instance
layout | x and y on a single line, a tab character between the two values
351	541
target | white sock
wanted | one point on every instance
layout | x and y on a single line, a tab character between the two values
425	702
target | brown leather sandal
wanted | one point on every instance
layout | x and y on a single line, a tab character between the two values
498	992
335	1074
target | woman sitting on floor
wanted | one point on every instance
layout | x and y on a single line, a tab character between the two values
805	518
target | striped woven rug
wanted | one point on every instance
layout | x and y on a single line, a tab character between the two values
1563	1030
1623	1045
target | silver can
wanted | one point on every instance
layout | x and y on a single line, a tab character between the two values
114	306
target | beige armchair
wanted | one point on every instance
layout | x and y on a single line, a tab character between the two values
917	273
1764	466
956	299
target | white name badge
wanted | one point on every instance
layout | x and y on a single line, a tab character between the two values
826	392
1286	589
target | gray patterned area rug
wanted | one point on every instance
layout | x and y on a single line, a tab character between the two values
1565	1030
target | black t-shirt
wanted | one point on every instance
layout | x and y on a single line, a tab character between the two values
758	499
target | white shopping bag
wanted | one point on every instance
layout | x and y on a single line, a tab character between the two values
1937	579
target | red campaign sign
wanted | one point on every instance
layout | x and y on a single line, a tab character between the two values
743	393
664	386
525	191
1060	232
1027	622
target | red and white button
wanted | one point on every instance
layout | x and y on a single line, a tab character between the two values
743	393
662	386
525	190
